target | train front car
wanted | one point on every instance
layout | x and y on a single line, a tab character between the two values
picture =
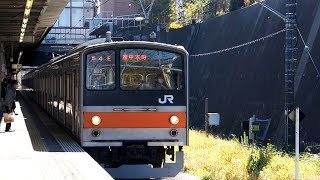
135	107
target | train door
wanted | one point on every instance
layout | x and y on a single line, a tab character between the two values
48	92
72	92
40	91
77	102
55	96
45	82
50	95
37	88
61	105
68	105
43	91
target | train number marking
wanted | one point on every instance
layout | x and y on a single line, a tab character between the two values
165	99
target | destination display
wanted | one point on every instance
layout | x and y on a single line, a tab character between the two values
134	57
100	58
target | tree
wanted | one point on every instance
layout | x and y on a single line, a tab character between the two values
160	9
196	10
249	2
159	6
217	8
236	4
184	12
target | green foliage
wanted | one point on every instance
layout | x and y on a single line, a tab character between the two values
175	25
200	10
256	161
217	8
207	176
244	139
159	6
197	10
215	158
191	10
248	2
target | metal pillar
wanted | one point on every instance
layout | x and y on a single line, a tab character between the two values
290	49
145	9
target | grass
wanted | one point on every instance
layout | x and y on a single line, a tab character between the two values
215	158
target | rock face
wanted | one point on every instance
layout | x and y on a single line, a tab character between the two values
249	80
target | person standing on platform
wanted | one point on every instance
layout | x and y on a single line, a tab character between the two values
4	85
9	100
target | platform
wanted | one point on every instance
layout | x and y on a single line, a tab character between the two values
39	149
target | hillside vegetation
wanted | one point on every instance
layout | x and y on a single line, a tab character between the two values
179	13
215	158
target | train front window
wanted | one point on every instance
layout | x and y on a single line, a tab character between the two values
100	73
144	69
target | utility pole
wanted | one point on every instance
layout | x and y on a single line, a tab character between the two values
297	142
290	50
146	9
206	117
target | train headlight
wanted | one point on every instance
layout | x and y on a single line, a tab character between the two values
96	120
174	120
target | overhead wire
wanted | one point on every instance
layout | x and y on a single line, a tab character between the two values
103	3
240	45
284	18
263	38
250	42
73	26
83	18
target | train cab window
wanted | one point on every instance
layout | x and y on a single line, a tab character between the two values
100	73
145	69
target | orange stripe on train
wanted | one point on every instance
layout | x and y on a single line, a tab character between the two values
135	119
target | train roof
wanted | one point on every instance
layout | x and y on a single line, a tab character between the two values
102	42
91	42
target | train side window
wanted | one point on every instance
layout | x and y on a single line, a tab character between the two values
100	72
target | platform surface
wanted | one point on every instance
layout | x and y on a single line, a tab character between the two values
39	149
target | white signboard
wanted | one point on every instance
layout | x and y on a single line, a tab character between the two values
214	119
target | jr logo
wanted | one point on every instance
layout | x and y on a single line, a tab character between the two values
165	99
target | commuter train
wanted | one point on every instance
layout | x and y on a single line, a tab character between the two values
125	102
